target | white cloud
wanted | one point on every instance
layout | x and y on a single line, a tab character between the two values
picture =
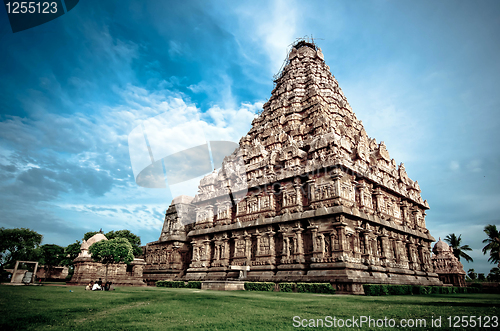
271	27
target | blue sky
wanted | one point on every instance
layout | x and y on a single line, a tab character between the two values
421	75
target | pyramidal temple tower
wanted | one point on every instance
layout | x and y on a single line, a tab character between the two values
309	196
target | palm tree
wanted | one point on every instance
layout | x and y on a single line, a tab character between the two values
472	274
493	243
458	250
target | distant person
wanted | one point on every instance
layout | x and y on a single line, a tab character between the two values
89	286
96	287
99	282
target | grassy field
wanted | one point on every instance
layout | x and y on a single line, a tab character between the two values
68	307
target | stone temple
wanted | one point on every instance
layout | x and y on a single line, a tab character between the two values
307	196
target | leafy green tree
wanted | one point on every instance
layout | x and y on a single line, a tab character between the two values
71	252
492	243
133	239
112	251
494	275
18	244
458	250
51	255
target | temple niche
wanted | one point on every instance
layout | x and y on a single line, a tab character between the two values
308	196
446	265
120	274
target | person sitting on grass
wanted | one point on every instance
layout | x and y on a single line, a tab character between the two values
96	287
109	286
89	286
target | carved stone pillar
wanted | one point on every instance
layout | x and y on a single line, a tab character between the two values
298	193
248	248
386	252
225	251
360	189
424	257
259	238
356	242
285	253
397	249
337	176
272	246
379	198
310	190
414	217
368	246
314	232
299	250
334	242
412	256
339	227
404	214
207	253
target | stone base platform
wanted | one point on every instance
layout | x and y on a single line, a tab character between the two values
223	285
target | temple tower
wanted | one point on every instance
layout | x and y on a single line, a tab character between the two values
315	198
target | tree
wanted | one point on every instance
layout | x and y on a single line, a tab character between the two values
112	251
492	243
51	255
472	274
458	250
494	275
70	253
18	244
133	239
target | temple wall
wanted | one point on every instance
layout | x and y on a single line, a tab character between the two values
120	274
328	228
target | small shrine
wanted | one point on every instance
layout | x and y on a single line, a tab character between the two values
86	269
446	265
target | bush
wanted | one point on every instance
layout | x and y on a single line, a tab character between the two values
171	283
371	289
376	289
477	286
436	290
287	287
259	286
379	289
315	288
418	289
194	284
399	289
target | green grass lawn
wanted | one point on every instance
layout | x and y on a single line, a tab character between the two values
128	308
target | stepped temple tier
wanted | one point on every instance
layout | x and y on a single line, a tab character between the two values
307	196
